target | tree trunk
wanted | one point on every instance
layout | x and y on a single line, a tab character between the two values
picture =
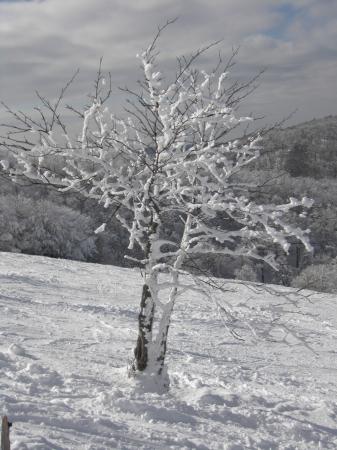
161	341
145	323
163	332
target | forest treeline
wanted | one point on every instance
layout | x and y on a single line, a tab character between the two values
296	161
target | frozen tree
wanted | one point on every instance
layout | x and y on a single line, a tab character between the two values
170	156
319	277
246	272
42	227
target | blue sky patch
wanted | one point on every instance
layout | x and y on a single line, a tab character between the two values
288	13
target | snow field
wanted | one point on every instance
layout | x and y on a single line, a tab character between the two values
67	330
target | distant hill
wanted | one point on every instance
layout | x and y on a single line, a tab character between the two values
297	161
308	149
324	123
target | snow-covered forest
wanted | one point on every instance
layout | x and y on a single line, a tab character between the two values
299	160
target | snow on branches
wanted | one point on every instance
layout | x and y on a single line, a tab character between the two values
170	155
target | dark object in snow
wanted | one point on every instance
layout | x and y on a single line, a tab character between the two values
5	443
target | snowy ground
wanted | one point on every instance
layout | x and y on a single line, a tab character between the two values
67	329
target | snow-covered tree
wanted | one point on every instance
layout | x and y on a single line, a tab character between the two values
41	227
172	155
318	277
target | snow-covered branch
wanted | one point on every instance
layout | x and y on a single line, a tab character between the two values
170	157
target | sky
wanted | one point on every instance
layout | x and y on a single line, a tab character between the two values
43	42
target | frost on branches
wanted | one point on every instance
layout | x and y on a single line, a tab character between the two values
170	156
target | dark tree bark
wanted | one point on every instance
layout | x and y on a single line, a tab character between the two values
145	323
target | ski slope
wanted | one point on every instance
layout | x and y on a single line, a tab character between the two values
67	330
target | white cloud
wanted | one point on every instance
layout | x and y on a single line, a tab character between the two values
42	43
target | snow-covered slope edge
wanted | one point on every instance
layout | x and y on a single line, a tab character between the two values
67	329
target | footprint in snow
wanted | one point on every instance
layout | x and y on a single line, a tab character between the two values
38	379
16	350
